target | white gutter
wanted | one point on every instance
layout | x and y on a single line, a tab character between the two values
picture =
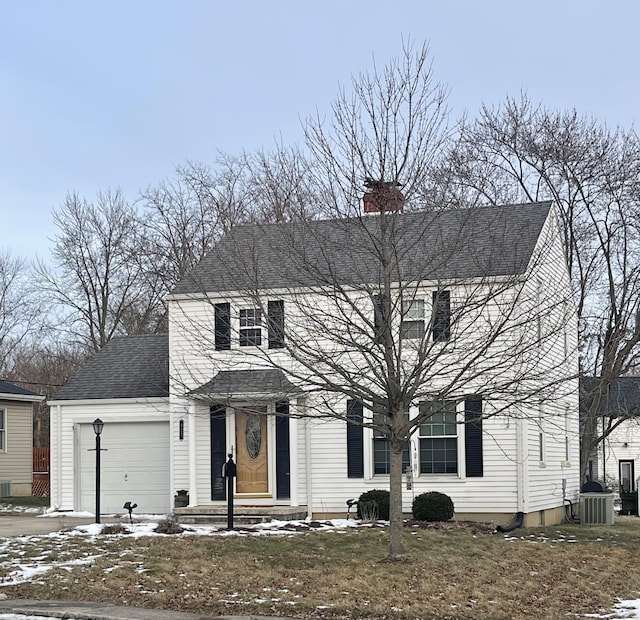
30	398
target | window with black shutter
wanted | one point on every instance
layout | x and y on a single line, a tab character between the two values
473	437
275	309
222	327
355	440
441	316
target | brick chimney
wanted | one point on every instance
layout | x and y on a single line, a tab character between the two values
382	196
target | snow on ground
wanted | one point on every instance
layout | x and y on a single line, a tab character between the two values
22	617
22	570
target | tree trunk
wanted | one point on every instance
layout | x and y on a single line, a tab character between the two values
396	546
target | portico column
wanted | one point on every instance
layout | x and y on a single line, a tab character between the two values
193	488
293	453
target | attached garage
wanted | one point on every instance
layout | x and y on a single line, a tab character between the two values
134	467
126	385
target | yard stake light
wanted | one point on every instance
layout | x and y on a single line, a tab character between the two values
98	425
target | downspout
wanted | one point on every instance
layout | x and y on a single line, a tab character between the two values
515	524
521	477
55	454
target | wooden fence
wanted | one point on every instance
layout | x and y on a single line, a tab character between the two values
40	472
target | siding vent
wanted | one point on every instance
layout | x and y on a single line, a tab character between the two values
5	488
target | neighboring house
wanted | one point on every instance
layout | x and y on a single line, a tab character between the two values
616	460
125	385
234	389
16	438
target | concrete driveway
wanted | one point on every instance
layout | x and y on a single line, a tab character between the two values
30	524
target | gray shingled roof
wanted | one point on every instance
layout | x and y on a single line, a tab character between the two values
453	244
622	399
229	383
127	367
9	388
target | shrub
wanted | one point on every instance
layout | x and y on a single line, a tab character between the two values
373	505
114	528
432	506
169	525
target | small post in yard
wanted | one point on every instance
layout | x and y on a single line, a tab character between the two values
98	425
230	474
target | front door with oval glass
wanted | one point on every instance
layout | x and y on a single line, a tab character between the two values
251	451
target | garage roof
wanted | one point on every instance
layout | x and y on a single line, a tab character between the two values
127	367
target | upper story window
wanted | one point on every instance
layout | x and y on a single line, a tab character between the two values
413	318
3	430
439	438
253	328
250	327
412	325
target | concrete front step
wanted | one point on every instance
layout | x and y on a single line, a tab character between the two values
242	515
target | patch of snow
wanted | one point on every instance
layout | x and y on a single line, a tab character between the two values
21	617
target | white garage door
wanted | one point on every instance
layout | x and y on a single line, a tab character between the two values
134	467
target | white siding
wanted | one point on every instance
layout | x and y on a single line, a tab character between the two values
513	479
65	416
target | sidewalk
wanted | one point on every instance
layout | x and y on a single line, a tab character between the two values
29	524
103	611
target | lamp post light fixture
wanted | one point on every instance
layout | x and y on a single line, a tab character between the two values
98	425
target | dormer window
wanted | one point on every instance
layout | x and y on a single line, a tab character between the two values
250	327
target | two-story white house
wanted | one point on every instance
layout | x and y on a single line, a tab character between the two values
288	341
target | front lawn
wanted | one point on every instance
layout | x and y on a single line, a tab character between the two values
548	573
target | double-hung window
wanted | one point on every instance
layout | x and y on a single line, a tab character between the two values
250	327
439	438
412	325
382	448
3	430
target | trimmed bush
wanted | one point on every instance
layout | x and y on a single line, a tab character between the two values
432	506
169	525
373	502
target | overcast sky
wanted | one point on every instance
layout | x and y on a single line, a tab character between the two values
116	94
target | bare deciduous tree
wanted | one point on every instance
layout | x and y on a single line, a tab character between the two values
521	151
97	281
21	310
354	288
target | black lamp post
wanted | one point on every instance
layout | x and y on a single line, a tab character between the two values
98	425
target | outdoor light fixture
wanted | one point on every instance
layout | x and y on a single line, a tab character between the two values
98	425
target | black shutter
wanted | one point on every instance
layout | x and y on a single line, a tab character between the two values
283	464
355	440
441	316
473	437
276	324
218	451
379	320
222	326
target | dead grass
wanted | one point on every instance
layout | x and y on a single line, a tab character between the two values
452	571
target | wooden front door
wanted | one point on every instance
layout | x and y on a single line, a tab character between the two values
251	451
